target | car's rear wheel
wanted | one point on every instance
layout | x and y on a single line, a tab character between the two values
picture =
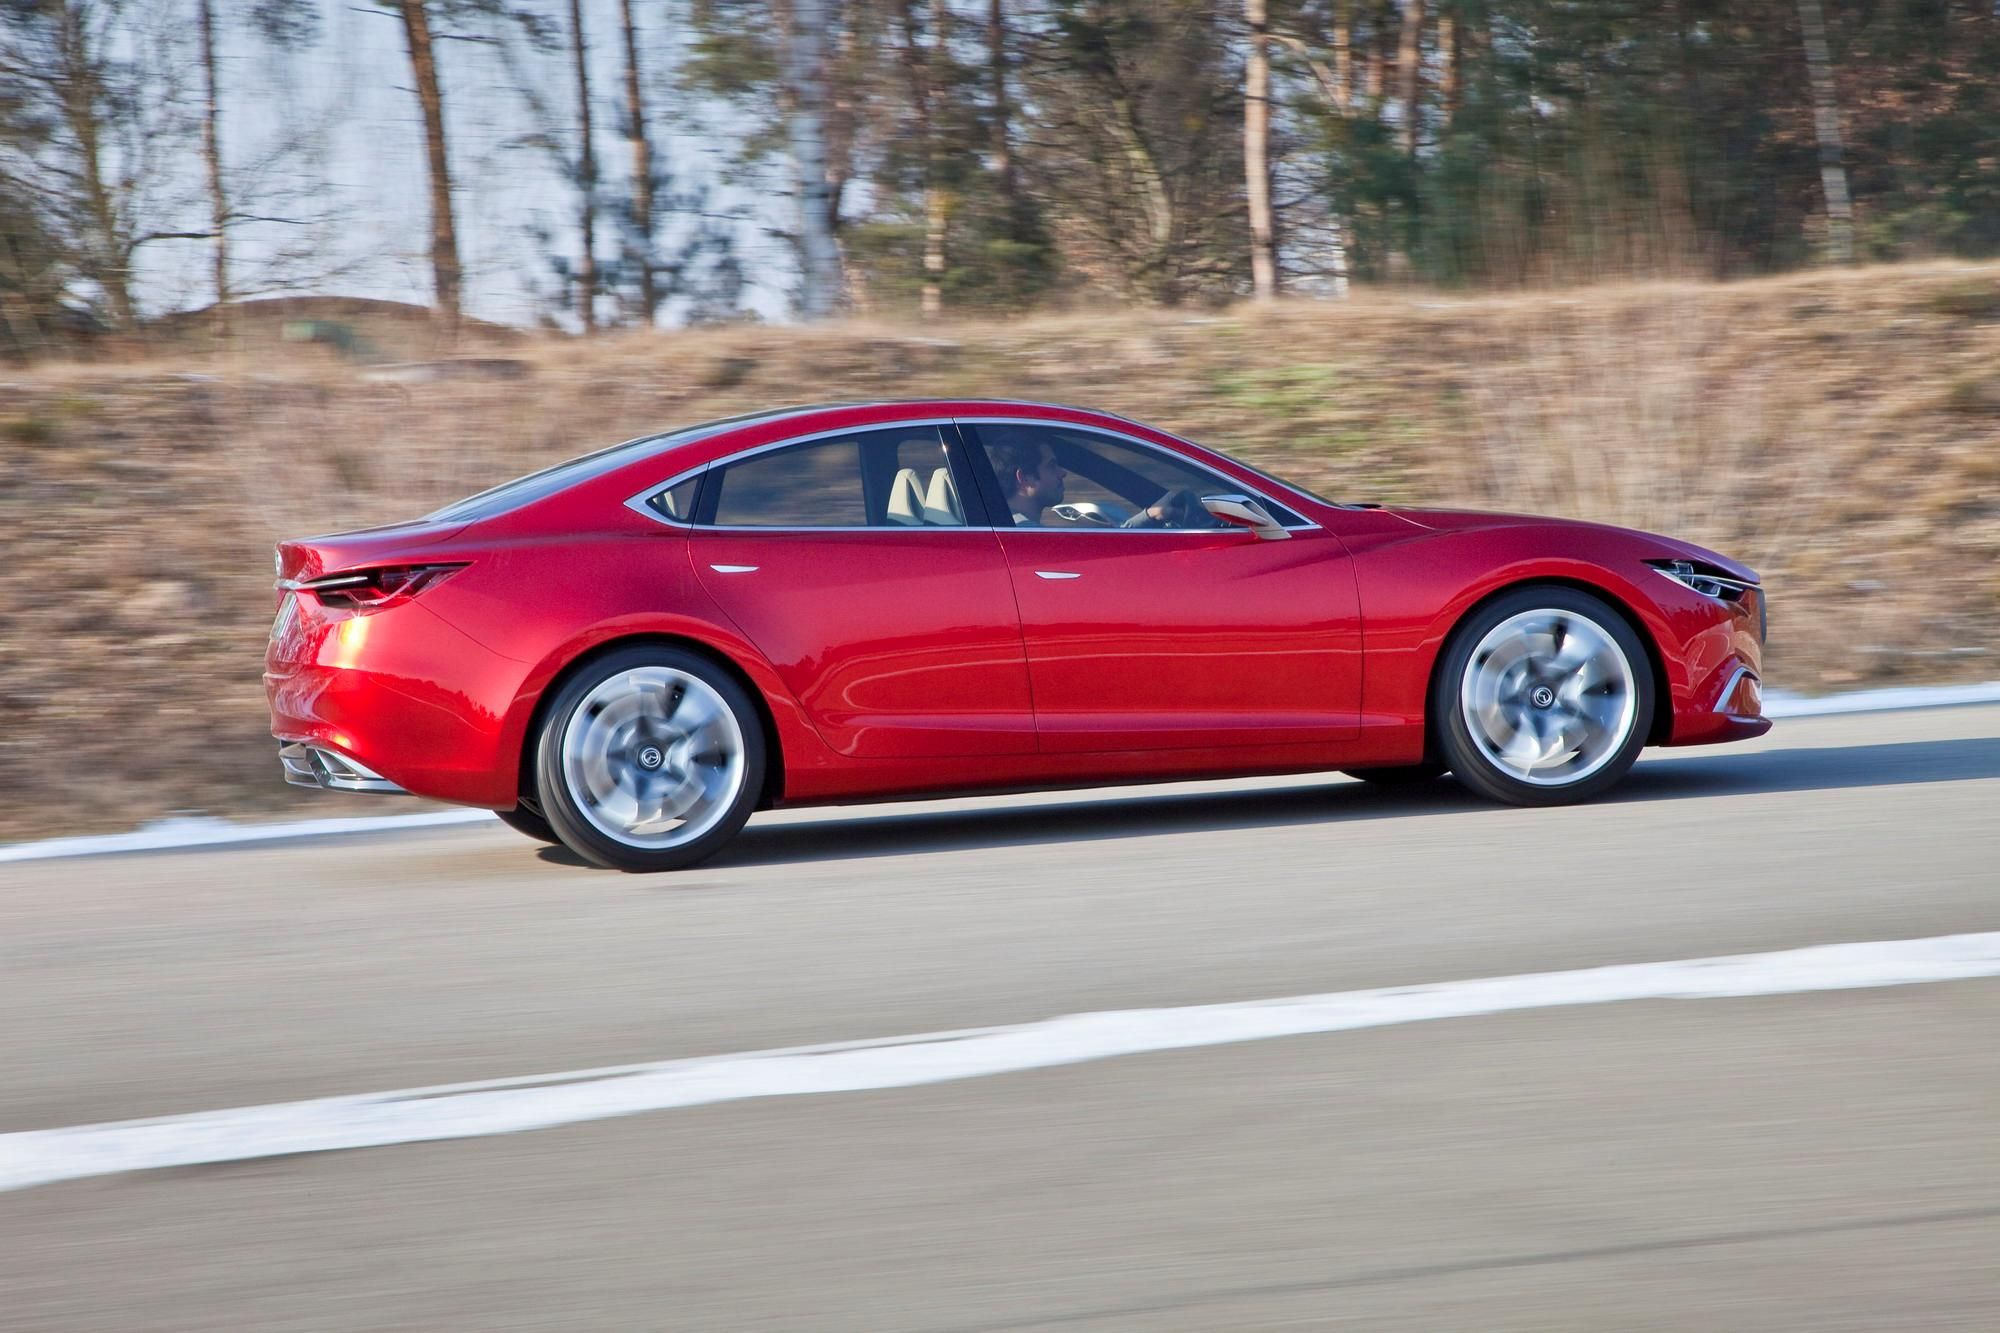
523	820
650	758
1544	697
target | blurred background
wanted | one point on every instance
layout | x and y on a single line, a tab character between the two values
273	267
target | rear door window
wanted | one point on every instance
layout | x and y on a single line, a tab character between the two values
896	477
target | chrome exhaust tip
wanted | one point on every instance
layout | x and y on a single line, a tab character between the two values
329	770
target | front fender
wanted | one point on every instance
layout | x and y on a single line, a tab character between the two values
1416	588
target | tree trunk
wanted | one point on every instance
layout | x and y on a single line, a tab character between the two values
586	176
1451	63
211	147
805	69
1826	124
445	272
1343	55
1410	74
1003	148
916	64
1376	80
642	169
1256	152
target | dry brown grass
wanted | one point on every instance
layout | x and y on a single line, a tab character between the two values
1818	426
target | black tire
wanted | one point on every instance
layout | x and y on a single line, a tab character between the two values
523	820
564	806
1473	766
1409	775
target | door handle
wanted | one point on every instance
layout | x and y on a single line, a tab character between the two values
734	569
1056	574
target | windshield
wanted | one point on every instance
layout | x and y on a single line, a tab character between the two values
1306	491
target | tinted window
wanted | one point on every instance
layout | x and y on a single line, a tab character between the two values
677	502
898	477
812	486
1053	477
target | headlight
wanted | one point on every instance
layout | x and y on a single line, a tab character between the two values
1704	579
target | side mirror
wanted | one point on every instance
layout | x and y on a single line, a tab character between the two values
1243	512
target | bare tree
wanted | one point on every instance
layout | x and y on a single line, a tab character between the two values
1826	126
1256	151
446	274
101	80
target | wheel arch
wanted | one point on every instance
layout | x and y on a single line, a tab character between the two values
1662	724
774	751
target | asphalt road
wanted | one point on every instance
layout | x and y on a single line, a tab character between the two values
1812	1161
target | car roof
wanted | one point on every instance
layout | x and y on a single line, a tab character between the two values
692	447
728	436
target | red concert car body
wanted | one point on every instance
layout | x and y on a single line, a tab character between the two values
632	651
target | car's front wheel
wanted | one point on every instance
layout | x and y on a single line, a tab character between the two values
650	758
1544	697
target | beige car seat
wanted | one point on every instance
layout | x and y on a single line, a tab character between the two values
906	499
941	506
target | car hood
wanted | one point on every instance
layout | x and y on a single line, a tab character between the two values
1458	520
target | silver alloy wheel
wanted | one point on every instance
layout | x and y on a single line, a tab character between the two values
1548	697
653	757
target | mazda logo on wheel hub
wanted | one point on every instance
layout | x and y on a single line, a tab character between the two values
651	758
1543	697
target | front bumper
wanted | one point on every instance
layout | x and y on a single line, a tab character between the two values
329	770
1723	663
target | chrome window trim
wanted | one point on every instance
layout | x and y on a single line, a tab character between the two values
640	503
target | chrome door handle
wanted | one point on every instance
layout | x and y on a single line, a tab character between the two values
734	569
1056	574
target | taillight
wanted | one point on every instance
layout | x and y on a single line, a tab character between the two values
375	589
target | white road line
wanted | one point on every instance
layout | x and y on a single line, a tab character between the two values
474	1110
1783	704
206	831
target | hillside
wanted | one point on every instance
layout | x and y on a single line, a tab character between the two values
1839	431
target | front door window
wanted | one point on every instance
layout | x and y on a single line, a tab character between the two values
1052	477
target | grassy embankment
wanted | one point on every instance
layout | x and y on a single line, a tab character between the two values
1840	432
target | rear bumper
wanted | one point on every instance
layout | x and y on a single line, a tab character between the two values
397	701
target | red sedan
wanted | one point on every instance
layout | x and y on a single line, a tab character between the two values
632	651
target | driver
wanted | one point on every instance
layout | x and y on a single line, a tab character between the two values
1029	477
1032	481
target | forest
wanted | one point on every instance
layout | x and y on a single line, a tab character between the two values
953	157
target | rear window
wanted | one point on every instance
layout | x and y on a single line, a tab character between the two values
540	485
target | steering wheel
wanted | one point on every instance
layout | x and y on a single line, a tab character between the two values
1179	508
